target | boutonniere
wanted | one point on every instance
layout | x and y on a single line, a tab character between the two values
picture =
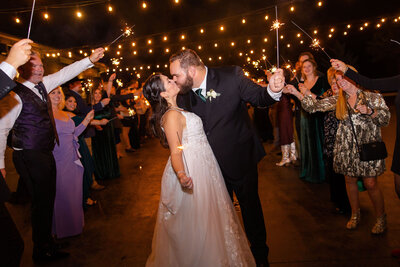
212	94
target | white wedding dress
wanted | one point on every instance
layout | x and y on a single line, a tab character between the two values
198	228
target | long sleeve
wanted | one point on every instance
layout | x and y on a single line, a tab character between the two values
377	102
65	74
83	108
390	84
7	74
79	130
10	108
312	105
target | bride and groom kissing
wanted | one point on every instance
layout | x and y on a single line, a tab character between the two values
201	116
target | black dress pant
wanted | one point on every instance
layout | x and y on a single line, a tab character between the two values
38	169
252	214
11	243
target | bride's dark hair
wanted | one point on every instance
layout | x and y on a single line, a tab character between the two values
151	91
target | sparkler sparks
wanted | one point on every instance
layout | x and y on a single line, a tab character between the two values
276	25
315	42
127	31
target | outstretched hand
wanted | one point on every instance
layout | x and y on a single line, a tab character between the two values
277	81
20	53
97	54
339	65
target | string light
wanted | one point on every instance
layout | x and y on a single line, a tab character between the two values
265	40
46	15
330	35
183	48
119	46
17	20
292	9
133	44
281	36
79	14
240	54
233	44
150	51
176	1
165	38
210	59
251	52
332	29
248	41
361	28
221	28
348	26
199	47
266	17
110	8
215	45
315	31
243	21
220	58
345	33
319	3
144	5
183	37
201	30
149	41
135	52
301	42
167	50
383	20
288	45
378	25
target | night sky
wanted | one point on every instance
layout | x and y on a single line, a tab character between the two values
369	50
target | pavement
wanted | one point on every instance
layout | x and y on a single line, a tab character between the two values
302	227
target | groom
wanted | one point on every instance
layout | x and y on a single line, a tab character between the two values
219	96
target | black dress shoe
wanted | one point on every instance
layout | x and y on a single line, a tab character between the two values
49	255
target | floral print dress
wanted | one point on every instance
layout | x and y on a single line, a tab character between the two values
346	157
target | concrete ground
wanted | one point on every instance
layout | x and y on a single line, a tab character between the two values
302	228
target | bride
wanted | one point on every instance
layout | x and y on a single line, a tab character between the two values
196	222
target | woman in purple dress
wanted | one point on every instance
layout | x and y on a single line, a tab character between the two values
68	211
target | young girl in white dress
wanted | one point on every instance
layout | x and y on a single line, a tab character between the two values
197	224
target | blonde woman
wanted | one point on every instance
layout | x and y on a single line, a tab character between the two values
368	113
68	210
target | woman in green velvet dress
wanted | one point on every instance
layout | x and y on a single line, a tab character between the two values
311	126
103	144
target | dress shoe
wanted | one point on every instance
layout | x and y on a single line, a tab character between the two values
49	255
354	220
96	186
380	225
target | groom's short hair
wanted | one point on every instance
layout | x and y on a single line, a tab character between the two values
187	57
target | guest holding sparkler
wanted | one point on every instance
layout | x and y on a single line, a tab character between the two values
68	210
194	203
361	116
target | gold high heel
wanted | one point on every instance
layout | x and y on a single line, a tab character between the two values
354	220
380	225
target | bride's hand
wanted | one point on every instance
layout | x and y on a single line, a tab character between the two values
185	181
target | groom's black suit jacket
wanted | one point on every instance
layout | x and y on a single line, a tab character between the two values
226	121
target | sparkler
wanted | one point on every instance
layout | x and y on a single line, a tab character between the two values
275	26
127	31
394	41
181	147
315	42
131	112
30	22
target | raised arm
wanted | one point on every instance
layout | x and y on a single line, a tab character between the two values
390	84
173	124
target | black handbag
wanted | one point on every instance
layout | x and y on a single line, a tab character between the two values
370	151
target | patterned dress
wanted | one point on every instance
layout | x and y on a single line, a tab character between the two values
346	158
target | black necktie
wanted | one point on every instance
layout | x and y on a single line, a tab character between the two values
45	97
198	92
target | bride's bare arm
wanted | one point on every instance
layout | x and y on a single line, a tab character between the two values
173	124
